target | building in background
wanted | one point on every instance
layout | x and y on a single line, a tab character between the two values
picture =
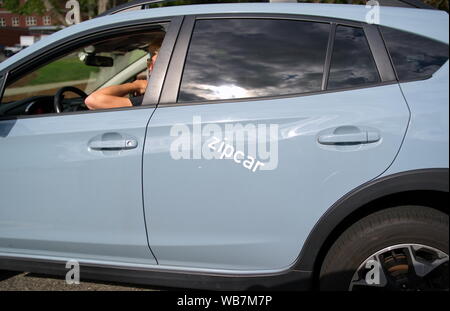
30	27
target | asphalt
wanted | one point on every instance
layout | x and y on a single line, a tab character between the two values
14	281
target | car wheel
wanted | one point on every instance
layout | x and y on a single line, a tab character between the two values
399	248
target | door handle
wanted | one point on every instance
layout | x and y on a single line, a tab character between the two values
348	135
122	144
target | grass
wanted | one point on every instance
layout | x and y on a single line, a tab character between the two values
65	69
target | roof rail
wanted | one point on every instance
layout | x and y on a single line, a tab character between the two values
148	4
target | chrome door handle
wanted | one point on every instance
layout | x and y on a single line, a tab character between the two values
122	144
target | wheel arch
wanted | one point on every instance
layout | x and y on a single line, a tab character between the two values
427	187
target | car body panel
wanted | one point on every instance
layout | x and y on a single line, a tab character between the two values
61	198
427	141
217	214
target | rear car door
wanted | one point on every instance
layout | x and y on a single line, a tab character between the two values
314	101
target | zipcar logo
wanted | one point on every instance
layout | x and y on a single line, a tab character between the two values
254	146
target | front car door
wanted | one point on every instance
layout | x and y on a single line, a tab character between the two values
262	126
70	183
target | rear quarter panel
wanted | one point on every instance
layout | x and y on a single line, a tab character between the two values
426	143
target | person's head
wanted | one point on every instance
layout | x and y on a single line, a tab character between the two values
153	50
151	60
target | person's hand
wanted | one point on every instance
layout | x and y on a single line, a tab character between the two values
139	87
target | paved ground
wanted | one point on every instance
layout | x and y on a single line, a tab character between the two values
11	281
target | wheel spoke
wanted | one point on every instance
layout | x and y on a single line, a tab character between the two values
402	267
373	277
424	267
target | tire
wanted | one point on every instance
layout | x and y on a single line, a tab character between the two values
403	225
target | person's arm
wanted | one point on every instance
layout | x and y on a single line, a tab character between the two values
114	96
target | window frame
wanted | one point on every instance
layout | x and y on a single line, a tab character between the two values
61	47
46	20
30	20
15	21
171	88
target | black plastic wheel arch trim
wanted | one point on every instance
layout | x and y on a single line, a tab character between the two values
415	180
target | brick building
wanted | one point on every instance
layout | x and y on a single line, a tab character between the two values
12	26
8	19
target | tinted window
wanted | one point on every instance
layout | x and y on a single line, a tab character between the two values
352	63
239	58
414	57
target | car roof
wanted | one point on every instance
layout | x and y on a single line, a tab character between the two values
428	23
142	4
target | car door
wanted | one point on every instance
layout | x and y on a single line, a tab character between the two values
313	101
71	183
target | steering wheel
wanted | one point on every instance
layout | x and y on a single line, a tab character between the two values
59	96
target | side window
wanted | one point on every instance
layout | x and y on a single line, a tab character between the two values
90	68
68	70
352	63
414	56
241	58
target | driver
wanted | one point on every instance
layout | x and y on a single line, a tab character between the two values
116	96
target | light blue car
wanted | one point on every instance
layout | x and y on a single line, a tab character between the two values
278	145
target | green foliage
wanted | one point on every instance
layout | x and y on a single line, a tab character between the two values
29	7
65	69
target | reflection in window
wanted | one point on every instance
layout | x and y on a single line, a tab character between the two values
240	58
414	57
351	62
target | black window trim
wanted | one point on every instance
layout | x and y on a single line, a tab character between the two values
3	78
169	94
327	66
60	47
379	53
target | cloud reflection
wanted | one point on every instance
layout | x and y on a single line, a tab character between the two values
238	58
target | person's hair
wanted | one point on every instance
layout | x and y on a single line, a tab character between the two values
155	44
